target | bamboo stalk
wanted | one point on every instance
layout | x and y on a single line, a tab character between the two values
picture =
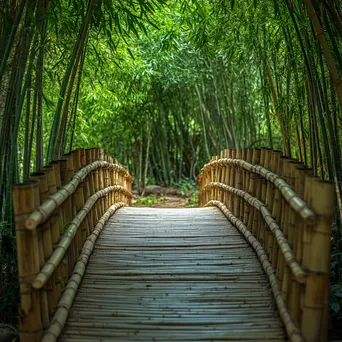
26	200
232	179
252	189
317	260
247	175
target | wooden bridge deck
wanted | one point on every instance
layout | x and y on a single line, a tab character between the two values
173	274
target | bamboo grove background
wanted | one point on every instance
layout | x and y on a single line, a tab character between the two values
162	85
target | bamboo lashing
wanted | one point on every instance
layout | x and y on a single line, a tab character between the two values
290	213
54	214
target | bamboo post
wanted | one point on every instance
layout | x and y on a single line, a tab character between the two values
83	157
243	182
237	185
264	232
69	209
25	201
41	180
282	220
68	173
51	231
112	178
44	241
225	179
78	200
96	156
254	183
285	274
222	176
62	210
247	208
232	180
316	259
103	205
257	219
130	190
212	179
276	207
62	168
295	302
58	222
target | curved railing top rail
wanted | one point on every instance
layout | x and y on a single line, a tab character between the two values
285	213
56	257
55	214
295	267
294	201
47	208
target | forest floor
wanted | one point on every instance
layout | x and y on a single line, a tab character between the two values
170	199
161	202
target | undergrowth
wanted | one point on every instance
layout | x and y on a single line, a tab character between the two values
150	200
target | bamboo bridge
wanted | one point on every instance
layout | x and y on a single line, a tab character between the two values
251	263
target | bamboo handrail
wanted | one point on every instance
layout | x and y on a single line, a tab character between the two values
285	248
46	209
291	329
65	303
281	204
55	213
58	254
296	203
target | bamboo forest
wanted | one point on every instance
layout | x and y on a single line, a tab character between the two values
234	105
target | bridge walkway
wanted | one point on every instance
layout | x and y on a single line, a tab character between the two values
173	275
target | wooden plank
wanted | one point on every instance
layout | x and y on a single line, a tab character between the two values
173	274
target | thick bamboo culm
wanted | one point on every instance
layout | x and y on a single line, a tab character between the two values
282	209
56	212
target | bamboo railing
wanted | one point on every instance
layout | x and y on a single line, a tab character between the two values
285	213
58	215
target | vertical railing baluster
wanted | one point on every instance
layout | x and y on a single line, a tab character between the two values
25	201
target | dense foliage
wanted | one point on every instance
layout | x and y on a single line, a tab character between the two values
162	85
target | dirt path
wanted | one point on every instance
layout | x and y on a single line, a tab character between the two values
162	202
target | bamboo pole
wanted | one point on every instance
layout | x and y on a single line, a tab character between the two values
252	189
247	176
238	184
316	258
232	178
243	183
25	201
276	207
